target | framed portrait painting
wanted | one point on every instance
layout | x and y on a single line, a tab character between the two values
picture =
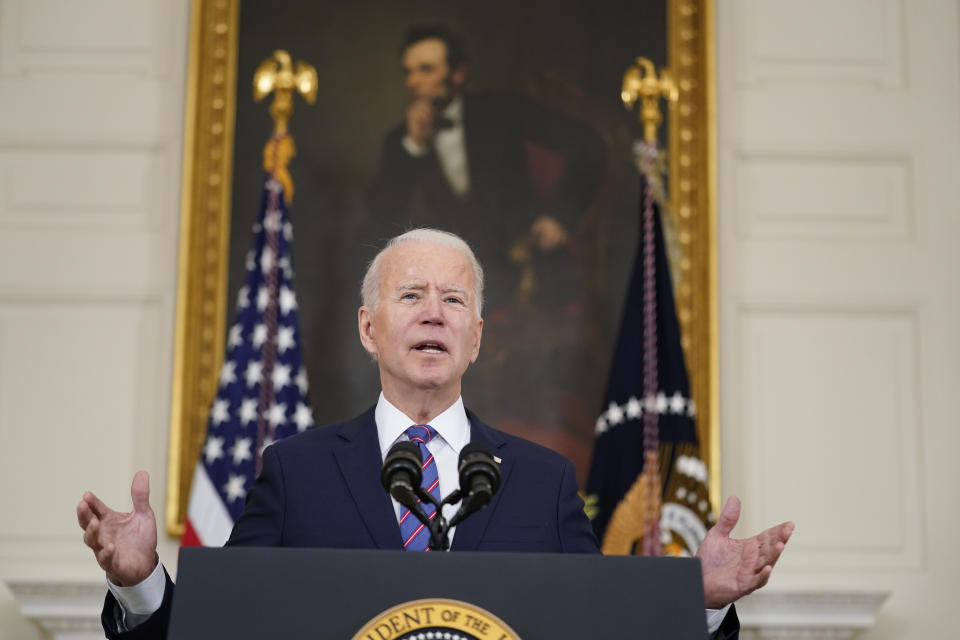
539	178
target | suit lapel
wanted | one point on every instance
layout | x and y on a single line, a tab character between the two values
359	461
470	531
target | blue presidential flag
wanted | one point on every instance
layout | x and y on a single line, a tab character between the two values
647	488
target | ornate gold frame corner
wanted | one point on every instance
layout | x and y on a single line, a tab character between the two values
205	228
204	238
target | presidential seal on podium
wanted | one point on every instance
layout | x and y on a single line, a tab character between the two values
436	619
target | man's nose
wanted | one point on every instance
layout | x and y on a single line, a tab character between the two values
432	310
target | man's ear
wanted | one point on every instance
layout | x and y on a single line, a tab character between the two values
459	76
476	341
365	327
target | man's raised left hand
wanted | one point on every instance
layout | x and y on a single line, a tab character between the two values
733	568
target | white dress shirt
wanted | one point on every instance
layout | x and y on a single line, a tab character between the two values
453	433
450	146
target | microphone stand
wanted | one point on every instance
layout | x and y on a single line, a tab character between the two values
438	527
401	477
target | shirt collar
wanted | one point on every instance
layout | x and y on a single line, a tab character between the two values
452	425
454	113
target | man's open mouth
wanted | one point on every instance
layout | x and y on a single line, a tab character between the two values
429	346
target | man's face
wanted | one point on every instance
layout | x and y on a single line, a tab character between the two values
425	330
426	73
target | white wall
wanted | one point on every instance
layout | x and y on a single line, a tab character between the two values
839	218
91	97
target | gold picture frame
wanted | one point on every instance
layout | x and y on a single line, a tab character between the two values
202	296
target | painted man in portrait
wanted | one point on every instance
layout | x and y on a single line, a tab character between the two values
510	175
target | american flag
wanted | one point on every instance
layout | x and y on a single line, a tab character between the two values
262	394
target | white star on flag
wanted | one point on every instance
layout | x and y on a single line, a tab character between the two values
234	488
276	414
284	263
661	402
266	260
228	375
614	414
213	449
263	296
272	221
677	403
303	417
301	381
288	300
281	376
220	412
254	372
601	425
249	261
288	231
634	408
236	336
241	450
259	335
248	410
242	297
285	339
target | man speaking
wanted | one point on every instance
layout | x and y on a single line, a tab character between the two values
421	320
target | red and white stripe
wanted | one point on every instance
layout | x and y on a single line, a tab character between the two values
208	522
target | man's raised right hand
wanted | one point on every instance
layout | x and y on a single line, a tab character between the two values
125	544
421	114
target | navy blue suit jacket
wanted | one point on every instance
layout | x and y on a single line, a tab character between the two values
322	488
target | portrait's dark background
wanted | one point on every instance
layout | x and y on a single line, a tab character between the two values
546	350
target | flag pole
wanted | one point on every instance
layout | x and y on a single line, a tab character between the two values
640	81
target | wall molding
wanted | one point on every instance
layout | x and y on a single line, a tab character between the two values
838	196
72	610
808	614
85	43
891	416
826	53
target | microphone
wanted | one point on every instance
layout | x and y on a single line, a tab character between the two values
401	475
479	480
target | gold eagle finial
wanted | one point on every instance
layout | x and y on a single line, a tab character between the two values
278	75
640	82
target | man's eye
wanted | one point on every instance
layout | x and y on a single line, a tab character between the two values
408	296
455	300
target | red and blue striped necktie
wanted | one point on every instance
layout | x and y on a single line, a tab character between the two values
414	533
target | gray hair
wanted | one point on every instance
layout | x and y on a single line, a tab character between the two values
370	289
